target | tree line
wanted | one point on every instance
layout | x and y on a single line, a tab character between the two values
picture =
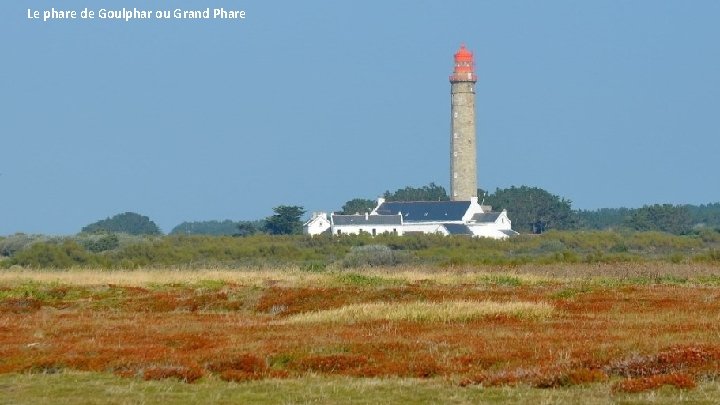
531	209
535	210
676	233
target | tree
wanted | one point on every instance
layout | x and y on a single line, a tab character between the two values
358	205
128	222
603	218
662	217
226	227
431	192
246	228
286	220
705	215
217	228
532	209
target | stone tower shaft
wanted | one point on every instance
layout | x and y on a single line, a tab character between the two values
463	148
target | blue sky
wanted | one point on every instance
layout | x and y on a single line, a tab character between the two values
313	103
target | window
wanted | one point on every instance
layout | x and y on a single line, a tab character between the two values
455	153
374	232
455	135
455	175
339	232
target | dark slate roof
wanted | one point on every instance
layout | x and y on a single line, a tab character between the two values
458	229
421	211
371	220
486	217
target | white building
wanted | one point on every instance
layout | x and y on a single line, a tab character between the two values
317	224
429	217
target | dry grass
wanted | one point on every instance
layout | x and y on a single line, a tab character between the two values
703	273
142	278
427	312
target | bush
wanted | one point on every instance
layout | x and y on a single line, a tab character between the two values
52	255
101	243
374	256
712	256
709	235
15	243
352	251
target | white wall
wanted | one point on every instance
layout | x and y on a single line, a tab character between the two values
355	229
316	226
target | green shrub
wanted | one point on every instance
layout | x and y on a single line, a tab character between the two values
374	256
101	243
17	242
709	235
52	255
353	251
710	256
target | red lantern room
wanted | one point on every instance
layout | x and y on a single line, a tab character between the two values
464	70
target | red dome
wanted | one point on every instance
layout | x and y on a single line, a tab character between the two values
463	55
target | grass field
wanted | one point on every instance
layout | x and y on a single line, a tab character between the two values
97	388
632	333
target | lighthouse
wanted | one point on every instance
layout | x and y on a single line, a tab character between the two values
463	215
463	148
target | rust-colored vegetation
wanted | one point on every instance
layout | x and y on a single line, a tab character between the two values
638	336
678	380
186	374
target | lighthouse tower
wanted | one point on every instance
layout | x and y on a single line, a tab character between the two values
463	149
